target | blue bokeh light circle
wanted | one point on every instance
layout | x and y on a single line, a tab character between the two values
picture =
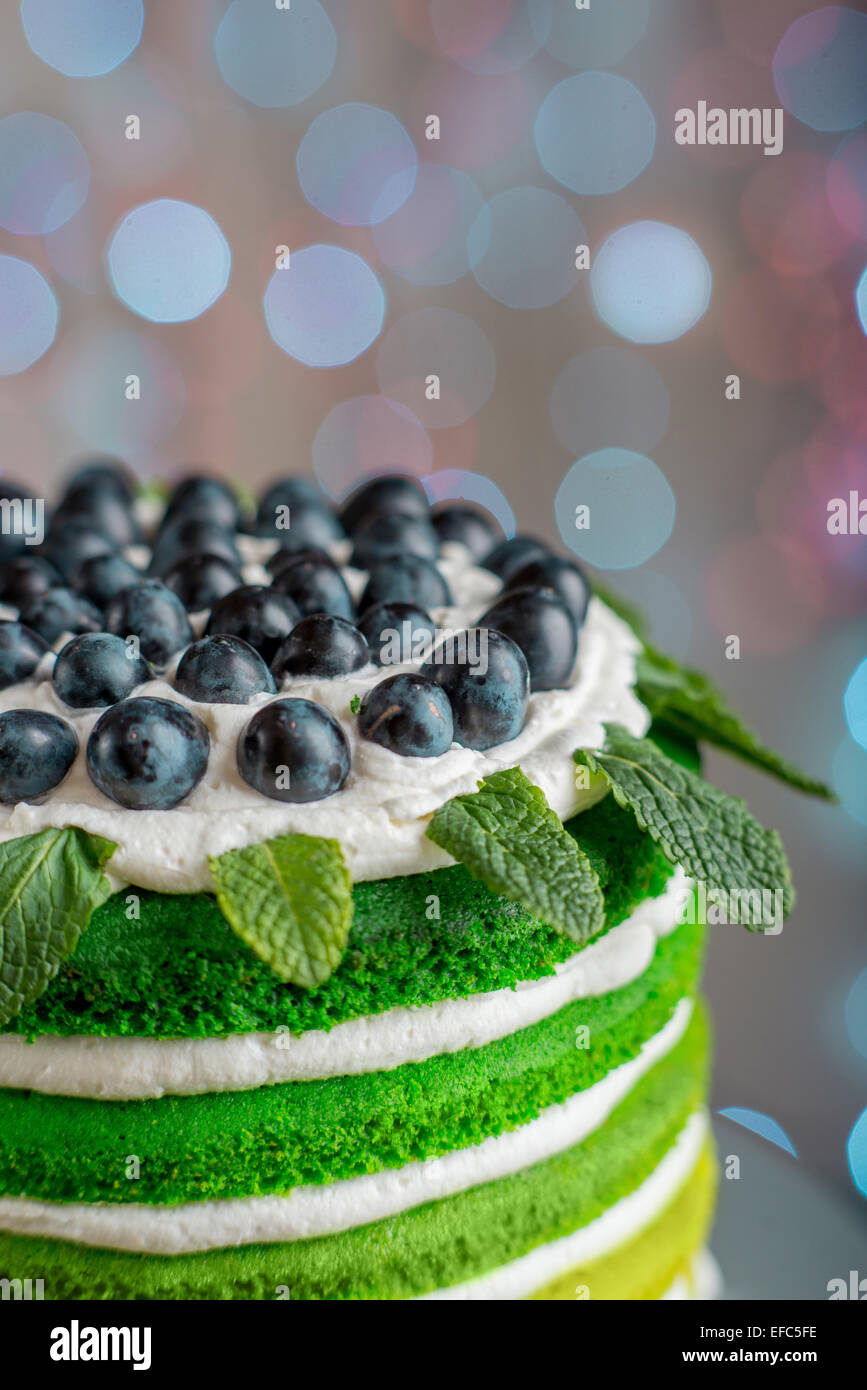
820	68
28	315
93	396
650	282
522	247
855	704
275	57
425	241
326	307
445	344
597	37
609	395
44	173
861	300
168	261
356	164
856	1152
631	508
595	132
462	485
849	778
495	47
83	38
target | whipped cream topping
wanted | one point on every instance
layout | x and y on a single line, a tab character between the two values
328	1208
381	814
119	1068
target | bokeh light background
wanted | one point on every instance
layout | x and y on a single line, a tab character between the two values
260	131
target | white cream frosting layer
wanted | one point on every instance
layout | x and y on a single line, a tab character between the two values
382	813
619	1224
140	1068
328	1208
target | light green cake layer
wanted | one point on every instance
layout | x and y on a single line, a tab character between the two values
647	1266
433	1246
178	970
276	1137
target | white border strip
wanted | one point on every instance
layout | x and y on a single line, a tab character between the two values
328	1208
118	1068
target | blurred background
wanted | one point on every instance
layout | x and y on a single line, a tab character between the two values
345	238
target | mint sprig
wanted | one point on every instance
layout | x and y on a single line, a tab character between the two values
50	884
687	703
711	835
507	835
290	900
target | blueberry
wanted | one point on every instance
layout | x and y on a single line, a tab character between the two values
151	612
397	632
313	522
391	533
393	493
406	579
259	615
36	752
101	577
543	627
101	474
97	668
12	541
103	511
453	522
58	611
321	645
21	650
291	492
564	577
408	714
71	542
205	499
25	577
147	754
507	558
291	551
294	750
315	587
183	536
223	670
200	581
486	678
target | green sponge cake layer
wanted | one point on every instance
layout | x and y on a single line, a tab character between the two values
177	970
431	1247
647	1267
273	1138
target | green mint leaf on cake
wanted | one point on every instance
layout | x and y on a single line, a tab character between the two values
507	835
355	704
711	835
290	900
687	703
50	884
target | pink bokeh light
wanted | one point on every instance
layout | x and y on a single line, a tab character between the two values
779	330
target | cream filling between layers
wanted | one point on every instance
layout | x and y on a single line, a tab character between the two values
329	1208
118	1068
381	815
615	1227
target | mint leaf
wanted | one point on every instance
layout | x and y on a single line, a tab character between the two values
713	836
687	703
50	883
507	835
290	900
355	704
